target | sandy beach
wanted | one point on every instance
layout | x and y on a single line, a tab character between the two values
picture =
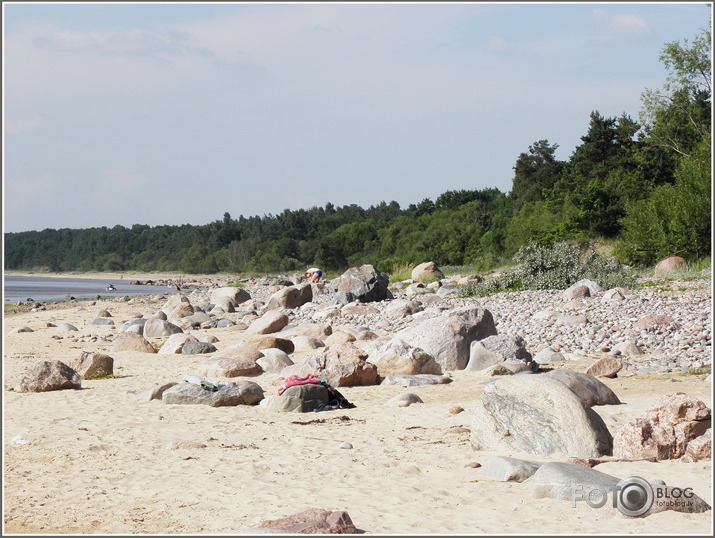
100	461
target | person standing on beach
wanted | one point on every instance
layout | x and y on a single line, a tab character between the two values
313	274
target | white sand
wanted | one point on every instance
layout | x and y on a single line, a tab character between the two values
100	461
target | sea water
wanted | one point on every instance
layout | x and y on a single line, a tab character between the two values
44	289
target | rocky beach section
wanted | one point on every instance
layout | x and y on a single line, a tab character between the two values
509	398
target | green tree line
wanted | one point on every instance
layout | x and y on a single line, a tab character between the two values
643	186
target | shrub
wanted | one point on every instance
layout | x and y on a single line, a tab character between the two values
558	267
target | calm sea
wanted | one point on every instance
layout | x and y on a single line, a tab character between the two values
22	288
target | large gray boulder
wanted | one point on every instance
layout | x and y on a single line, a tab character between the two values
537	414
571	482
564	481
448	337
509	350
299	399
270	322
156	328
290	297
364	284
196	348
134	325
234	294
401	358
246	393
506	469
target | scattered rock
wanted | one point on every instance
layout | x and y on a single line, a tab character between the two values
131	341
92	365
669	265
299	399
312	521
605	367
537	414
246	393
665	430
47	376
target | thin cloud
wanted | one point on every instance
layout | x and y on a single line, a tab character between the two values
121	180
627	25
22	125
134	43
30	192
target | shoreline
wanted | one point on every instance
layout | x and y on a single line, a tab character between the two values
129	275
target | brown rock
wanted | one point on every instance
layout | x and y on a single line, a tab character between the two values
312	330
576	292
313	521
670	264
343	365
130	341
181	311
605	367
655	322
50	375
92	365
665	431
699	449
426	272
269	342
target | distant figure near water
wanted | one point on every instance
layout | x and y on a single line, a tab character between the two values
111	288
176	284
313	274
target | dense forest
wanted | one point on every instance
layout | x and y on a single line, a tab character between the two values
642	186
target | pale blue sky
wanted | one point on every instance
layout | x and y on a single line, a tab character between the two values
119	113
